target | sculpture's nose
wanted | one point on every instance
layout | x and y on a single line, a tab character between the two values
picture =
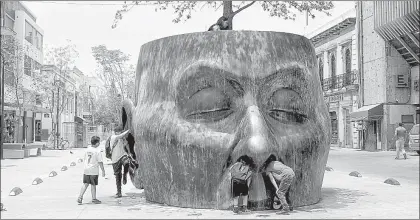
254	137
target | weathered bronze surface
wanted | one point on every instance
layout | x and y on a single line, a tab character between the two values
203	100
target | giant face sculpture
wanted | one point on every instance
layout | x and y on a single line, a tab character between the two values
204	100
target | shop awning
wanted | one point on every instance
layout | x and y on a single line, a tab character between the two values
25	107
369	112
80	120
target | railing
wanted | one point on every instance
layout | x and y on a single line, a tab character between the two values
340	81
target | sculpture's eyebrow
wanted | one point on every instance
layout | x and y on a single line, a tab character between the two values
200	72
293	77
294	71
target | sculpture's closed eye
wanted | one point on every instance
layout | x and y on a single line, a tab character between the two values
208	104
286	106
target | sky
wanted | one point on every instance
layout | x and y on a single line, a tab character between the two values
88	24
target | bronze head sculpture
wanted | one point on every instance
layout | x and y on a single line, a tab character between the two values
205	100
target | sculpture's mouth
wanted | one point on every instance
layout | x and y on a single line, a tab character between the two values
261	190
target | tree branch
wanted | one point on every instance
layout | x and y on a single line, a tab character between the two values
241	9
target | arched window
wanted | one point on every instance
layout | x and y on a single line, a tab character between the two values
347	67
321	69
333	72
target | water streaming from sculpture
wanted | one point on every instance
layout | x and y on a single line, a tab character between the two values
204	100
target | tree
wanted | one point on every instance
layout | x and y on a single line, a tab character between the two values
184	9
118	76
12	55
52	83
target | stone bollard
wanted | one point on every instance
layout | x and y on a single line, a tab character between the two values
355	174
392	181
73	164
53	174
37	181
327	168
64	168
15	191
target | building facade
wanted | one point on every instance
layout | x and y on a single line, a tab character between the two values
336	50
72	95
389	70
22	109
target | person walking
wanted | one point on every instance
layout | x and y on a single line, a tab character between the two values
400	134
92	162
119	157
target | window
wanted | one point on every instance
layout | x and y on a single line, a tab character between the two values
38	100
415	130
8	22
40	41
348	61
28	66
46	115
321	69
333	66
347	79
333	72
29	32
407	119
37	67
71	105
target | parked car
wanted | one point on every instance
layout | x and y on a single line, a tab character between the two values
413	138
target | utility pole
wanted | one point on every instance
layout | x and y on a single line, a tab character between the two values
57	116
3	62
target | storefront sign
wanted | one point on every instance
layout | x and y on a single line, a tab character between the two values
87	117
334	98
402	81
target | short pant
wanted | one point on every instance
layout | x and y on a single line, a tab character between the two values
90	179
239	187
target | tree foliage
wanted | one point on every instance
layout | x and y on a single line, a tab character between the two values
183	10
53	86
119	77
12	57
49	82
63	57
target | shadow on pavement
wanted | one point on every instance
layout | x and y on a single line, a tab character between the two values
6	166
334	198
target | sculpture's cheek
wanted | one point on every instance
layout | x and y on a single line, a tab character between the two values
182	161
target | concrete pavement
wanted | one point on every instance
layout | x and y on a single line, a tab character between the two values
379	165
342	197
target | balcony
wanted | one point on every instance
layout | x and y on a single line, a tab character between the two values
341	81
7	31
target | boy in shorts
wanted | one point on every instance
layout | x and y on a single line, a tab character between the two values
92	162
241	174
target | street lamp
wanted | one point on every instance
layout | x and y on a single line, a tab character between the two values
2	104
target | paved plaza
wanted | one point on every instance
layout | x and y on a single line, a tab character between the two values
343	196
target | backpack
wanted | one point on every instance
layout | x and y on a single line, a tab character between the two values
108	149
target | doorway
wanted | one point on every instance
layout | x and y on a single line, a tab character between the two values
334	128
